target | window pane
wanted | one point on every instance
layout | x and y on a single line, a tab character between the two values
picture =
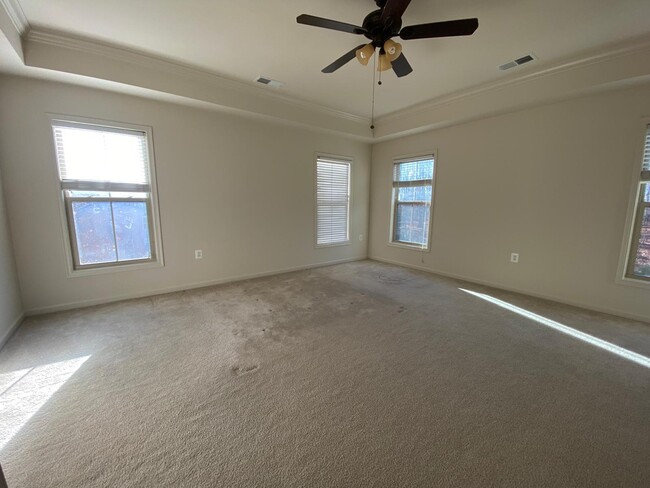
415	194
415	170
93	154
412	223
132	230
642	259
94	230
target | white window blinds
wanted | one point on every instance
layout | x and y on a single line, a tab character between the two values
645	169
332	201
94	157
413	172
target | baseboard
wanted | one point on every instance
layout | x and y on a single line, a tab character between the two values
13	328
188	286
587	306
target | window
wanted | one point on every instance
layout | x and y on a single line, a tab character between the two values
332	201
106	183
638	265
412	196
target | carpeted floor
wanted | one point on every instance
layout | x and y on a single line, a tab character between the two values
359	375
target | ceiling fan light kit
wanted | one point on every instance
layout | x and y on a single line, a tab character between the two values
380	26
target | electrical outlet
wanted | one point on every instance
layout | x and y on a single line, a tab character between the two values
198	254
514	257
360	237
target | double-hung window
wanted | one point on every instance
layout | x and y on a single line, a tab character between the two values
106	180
638	262
412	197
332	201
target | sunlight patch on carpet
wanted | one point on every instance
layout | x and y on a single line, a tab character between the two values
23	392
594	341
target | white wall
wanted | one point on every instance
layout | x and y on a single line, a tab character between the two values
241	190
551	183
11	308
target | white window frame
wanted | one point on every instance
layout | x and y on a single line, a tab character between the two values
393	200
343	160
632	222
155	233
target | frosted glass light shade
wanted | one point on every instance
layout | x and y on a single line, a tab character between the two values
393	49
364	53
384	63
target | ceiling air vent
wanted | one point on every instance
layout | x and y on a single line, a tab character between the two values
518	62
269	82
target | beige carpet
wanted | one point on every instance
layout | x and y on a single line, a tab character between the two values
358	375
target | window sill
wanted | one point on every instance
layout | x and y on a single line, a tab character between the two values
635	282
78	273
335	244
413	247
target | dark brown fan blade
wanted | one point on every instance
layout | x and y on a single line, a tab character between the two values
464	27
401	66
347	57
394	9
329	24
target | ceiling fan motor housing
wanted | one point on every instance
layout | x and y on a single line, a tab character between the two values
379	32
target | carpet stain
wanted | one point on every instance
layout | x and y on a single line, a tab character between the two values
394	280
241	370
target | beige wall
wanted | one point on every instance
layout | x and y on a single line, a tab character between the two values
11	308
241	190
551	183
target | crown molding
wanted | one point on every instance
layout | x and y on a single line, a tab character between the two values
567	65
36	35
607	68
13	24
61	52
16	14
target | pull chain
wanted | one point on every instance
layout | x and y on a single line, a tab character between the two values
372	112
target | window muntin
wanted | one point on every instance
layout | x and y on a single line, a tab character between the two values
332	201
639	259
412	197
105	179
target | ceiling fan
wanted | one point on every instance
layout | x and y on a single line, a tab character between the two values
380	26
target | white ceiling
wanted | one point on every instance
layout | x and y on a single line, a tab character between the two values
245	38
